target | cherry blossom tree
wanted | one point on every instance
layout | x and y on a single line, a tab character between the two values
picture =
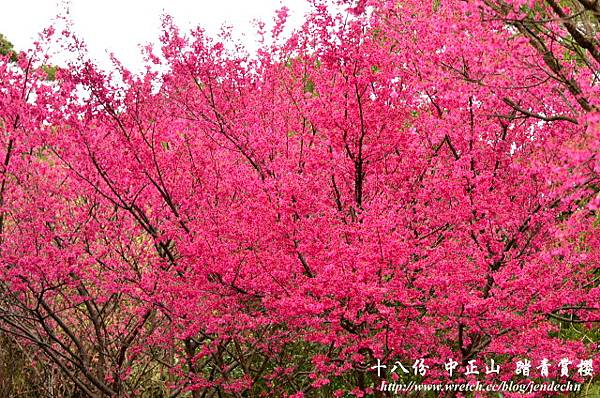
394	182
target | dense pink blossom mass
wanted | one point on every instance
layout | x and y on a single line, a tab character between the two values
396	181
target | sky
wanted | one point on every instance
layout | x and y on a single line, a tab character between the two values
119	26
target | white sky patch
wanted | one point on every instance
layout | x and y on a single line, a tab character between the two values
120	26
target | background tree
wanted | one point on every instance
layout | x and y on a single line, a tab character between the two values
6	48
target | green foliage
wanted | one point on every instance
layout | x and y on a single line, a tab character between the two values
309	85
50	72
6	48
